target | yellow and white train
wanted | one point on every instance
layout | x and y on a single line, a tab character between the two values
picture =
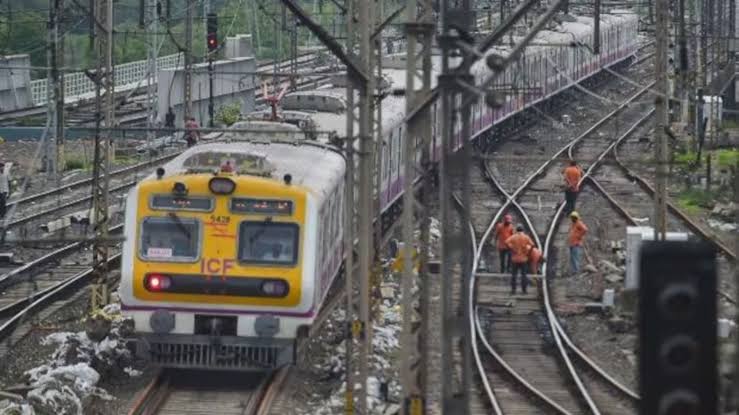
230	251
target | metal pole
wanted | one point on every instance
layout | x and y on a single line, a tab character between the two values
104	90
353	329
294	55
414	358
50	153
187	88
152	27
206	10
661	148
58	49
366	151
210	91
376	98
355	325
683	64
455	261
596	28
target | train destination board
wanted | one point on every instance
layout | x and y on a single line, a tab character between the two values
262	206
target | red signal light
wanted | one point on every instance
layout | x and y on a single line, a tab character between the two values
157	282
212	42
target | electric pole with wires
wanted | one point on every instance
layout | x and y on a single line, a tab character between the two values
104	91
187	87
360	95
152	53
419	28
54	155
661	112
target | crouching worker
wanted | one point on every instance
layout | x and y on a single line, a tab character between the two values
520	245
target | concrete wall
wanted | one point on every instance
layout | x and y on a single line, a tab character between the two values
238	46
15	84
233	81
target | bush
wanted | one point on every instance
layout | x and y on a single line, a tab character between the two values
74	164
229	114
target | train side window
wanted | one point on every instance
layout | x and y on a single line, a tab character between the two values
269	243
170	239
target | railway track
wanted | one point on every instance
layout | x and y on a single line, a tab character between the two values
176	392
509	329
38	283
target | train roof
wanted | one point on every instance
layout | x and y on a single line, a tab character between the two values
393	107
314	167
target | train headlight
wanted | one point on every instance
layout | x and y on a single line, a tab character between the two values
274	288
157	282
221	185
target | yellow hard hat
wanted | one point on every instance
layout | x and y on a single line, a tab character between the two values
574	214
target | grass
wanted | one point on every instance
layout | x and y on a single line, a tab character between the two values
685	159
695	200
728	157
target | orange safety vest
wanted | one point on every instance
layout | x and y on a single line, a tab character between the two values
520	245
503	231
577	233
573	174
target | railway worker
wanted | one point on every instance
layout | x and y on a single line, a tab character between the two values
572	175
4	189
520	245
577	234
536	258
192	135
503	231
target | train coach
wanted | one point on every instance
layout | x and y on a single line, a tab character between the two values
230	252
232	247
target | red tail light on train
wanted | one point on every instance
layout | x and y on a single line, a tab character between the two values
157	282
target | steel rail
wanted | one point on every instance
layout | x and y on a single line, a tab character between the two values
692	225
125	170
551	317
512	200
13	312
25	219
268	393
51	294
473	333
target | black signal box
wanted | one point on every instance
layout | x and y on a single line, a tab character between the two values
677	329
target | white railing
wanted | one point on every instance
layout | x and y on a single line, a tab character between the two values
77	85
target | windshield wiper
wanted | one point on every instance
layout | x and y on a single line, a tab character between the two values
180	225
262	228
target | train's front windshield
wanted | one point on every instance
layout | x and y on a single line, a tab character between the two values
169	239
268	243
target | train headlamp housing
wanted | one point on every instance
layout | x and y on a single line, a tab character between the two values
157	282
221	185
275	288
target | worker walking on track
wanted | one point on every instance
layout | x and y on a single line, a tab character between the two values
503	231
572	176
520	245
577	234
